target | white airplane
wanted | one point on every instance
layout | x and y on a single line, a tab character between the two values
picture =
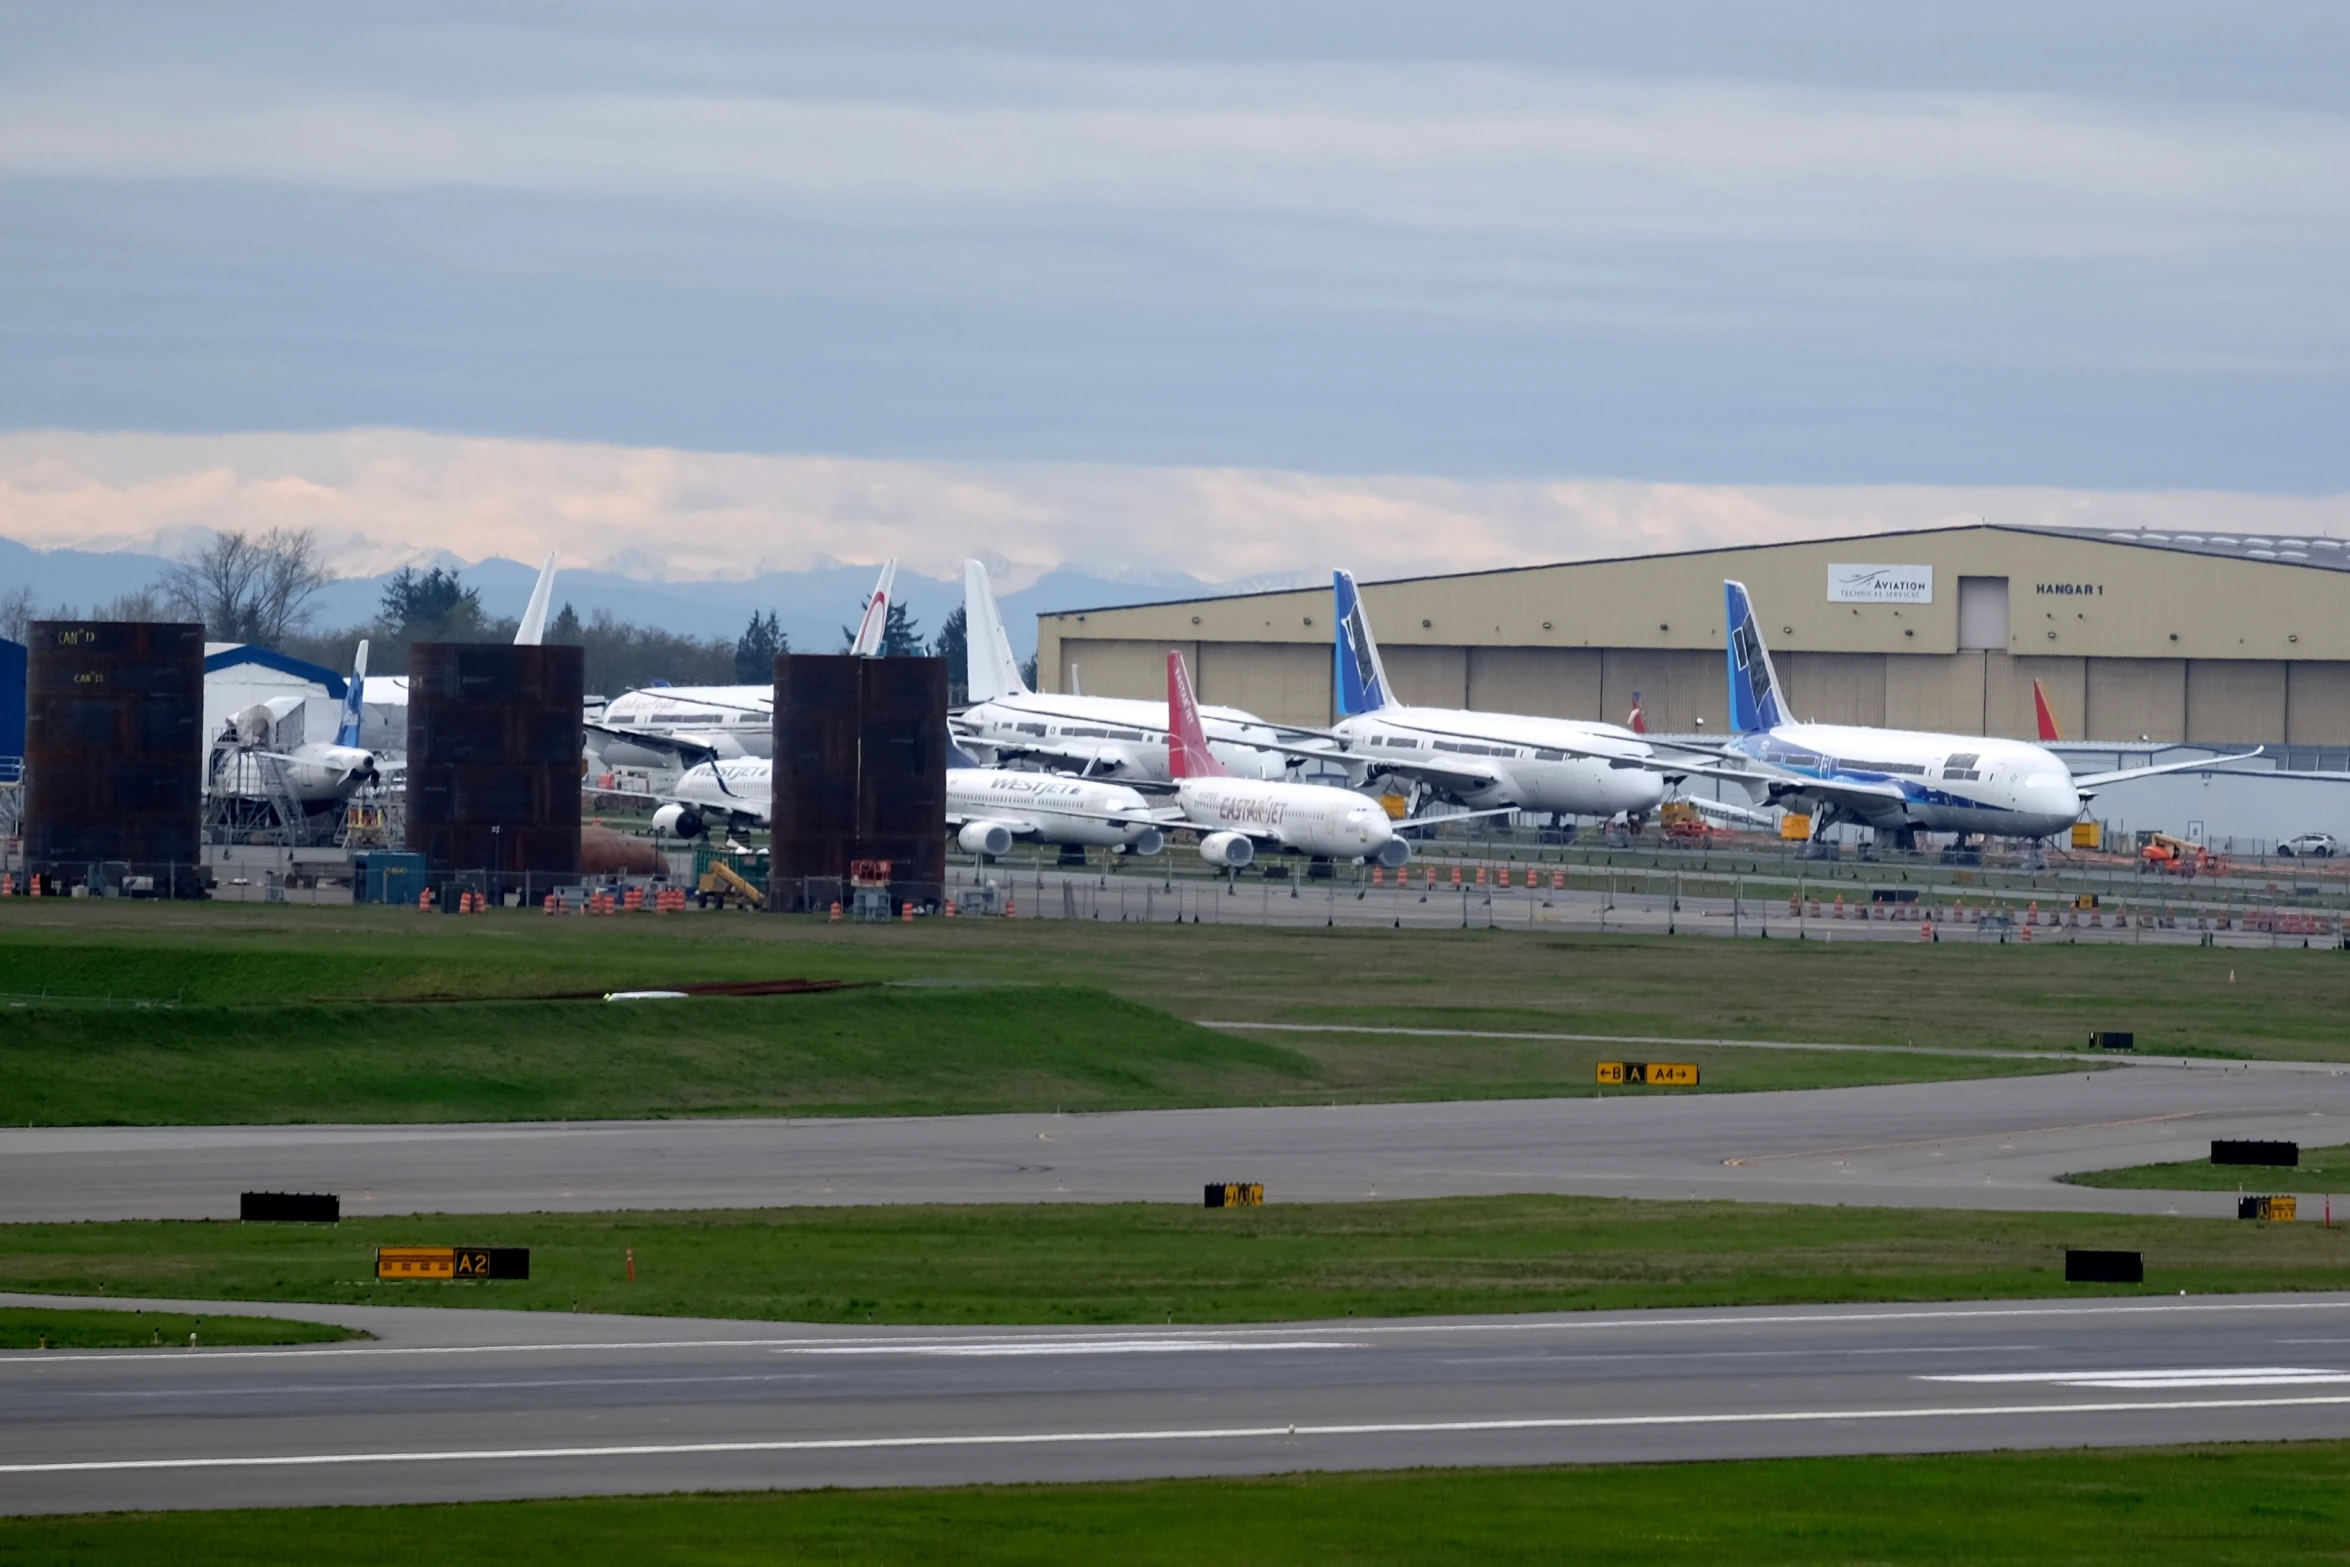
639	728
989	809
1097	736
1566	766
1235	815
318	774
1898	781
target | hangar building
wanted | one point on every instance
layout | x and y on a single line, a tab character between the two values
2215	639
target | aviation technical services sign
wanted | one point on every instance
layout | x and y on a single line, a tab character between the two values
1880	584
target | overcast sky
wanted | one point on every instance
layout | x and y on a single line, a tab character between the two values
2081	251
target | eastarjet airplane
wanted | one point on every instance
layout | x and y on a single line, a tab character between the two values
1236	815
1098	736
1898	781
1563	765
654	726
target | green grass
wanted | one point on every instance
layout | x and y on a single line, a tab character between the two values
2129	1507
155	1014
2320	1170
1138	1263
25	1327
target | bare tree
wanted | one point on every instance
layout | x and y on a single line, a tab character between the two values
248	589
138	604
19	608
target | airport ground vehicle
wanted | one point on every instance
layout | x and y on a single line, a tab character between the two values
2178	857
2310	846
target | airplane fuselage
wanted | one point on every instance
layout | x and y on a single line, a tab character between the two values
1126	735
1304	818
733	721
1946	783
1050	808
1530	770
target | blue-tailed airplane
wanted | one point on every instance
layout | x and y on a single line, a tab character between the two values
1568	766
1898	781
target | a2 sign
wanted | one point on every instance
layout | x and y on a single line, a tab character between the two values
452	1262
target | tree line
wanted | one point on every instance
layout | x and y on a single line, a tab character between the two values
259	589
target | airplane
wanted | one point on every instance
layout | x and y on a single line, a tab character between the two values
1094	736
1571	767
318	774
989	808
637	727
1897	781
1235	815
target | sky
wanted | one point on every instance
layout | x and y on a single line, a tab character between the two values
1228	290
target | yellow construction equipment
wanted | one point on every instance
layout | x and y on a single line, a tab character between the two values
2088	835
1683	822
1795	827
2178	857
726	884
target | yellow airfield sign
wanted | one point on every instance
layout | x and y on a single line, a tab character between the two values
1648	1074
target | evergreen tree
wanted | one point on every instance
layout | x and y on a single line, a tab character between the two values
755	650
953	644
900	636
565	630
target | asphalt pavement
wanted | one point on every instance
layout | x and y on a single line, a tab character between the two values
1995	1143
464	1405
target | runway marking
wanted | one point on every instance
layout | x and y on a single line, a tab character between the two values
1960	1137
1179	1434
2179	1377
1662	1321
1138	1346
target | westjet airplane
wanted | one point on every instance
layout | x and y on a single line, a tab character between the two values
1099	736
650	726
989	809
1898	781
1563	765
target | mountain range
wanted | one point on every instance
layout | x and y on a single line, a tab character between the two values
812	606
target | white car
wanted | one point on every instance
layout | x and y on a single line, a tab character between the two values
2310	846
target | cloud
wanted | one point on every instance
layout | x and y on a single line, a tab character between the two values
380	498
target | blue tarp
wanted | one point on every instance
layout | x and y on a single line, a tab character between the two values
12	669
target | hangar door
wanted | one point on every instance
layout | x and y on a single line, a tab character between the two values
1982	614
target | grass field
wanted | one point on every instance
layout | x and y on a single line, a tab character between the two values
1137	1263
2144	1507
2320	1170
161	1014
25	1327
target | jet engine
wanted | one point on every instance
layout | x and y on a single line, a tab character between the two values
1146	842
985	838
1395	853
1229	849
679	821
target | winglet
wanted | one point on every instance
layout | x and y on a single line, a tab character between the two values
1188	755
354	712
990	669
1754	686
1361	684
534	616
2040	710
875	626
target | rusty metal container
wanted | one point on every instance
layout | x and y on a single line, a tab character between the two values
860	774
494	762
114	754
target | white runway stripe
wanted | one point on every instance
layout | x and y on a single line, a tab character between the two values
1210	1434
2176	1377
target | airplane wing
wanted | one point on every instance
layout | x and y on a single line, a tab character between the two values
2088	786
1419	822
1087	762
689	753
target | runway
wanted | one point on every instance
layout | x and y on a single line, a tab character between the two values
461	1405
1996	1143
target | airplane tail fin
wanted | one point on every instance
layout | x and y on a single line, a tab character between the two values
1361	683
534	616
1636	720
991	670
875	626
1188	755
2046	715
1755	702
354	711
